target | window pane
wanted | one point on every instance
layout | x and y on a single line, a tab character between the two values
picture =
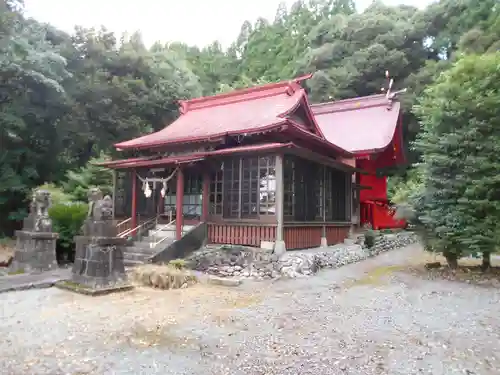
249	187
267	186
231	177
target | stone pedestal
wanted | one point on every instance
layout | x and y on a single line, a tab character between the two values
98	257
35	252
324	242
279	248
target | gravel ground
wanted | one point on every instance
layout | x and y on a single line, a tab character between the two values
365	318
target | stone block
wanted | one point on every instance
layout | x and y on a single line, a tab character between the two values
99	228
99	262
35	252
279	247
223	281
267	245
82	289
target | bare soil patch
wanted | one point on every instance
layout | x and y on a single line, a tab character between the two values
469	270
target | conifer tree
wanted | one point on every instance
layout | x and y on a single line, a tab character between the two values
460	145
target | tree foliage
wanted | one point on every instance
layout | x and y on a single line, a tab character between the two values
66	98
78	182
460	145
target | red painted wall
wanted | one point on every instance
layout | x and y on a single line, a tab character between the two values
378	186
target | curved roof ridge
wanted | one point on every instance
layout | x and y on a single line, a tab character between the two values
349	100
249	93
353	104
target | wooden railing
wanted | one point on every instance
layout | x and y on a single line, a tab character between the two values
171	221
124	225
139	228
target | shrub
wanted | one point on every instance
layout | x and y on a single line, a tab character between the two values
180	264
67	220
6	243
163	277
369	238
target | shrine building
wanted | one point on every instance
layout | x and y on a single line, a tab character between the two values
263	167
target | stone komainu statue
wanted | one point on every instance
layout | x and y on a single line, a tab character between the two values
99	208
39	211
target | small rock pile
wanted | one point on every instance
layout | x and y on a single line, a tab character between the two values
239	261
259	264
386	242
162	277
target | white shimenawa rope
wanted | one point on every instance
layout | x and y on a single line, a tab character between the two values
145	183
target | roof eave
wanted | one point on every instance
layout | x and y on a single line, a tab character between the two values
199	156
110	163
212	138
311	155
298	131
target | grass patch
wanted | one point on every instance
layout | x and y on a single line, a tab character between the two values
17	272
180	264
243	301
163	277
159	336
375	276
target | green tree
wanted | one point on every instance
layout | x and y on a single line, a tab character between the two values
32	101
64	99
460	146
448	20
78	183
351	52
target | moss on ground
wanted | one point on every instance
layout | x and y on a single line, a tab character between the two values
17	272
376	276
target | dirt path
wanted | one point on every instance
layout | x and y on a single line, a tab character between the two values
365	318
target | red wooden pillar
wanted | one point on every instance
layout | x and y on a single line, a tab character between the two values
205	197
133	214
179	217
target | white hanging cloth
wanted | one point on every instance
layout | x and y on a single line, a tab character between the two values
163	190
147	189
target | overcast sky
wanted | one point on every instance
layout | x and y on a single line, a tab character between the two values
191	21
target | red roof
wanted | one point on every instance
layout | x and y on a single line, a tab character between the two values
359	125
248	111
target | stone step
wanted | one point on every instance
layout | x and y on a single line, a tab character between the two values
142	257
136	251
132	263
158	237
140	246
146	245
162	232
170	228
